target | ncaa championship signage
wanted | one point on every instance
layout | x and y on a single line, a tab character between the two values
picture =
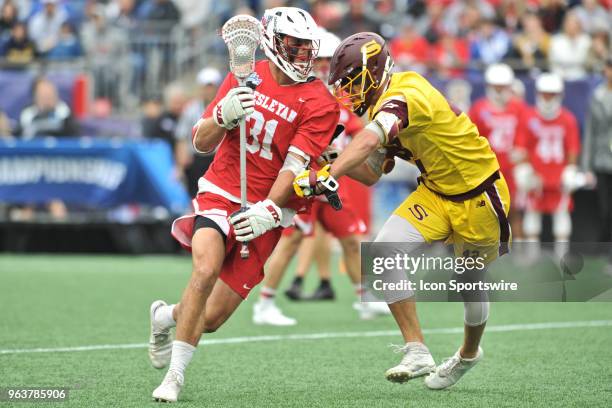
91	173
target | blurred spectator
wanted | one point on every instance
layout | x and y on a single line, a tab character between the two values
194	165
8	18
48	116
510	12
19	50
162	124
195	12
357	19
530	48
24	8
453	13
597	154
468	21
449	55
121	13
5	126
430	23
105	46
158	10
569	50
592	15
45	26
409	49
68	45
600	49
552	12
326	13
490	43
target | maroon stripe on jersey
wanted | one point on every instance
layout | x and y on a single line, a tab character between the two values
398	108
504	225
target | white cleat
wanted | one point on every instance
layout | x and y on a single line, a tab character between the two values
267	313
170	388
160	340
370	310
416	362
451	370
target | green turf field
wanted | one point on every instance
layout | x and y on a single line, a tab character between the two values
67	302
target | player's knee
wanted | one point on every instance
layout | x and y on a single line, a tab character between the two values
476	313
211	328
350	245
204	275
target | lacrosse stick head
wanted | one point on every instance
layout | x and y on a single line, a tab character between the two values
242	35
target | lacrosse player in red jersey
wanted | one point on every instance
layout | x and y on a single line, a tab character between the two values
548	144
344	225
290	118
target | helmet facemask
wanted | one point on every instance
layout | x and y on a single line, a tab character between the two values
549	104
355	90
297	52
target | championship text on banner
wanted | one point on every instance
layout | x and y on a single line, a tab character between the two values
92	173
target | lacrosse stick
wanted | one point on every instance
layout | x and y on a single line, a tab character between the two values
242	35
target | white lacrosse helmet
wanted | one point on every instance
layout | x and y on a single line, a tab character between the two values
498	75
329	43
549	83
280	22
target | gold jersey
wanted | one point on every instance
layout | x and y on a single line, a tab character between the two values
446	146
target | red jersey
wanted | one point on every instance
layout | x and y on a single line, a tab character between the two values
500	127
548	144
300	118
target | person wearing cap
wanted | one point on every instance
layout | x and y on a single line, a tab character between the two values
597	153
193	165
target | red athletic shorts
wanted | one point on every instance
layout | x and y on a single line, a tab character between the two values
550	201
241	275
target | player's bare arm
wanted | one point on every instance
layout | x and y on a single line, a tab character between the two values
282	188
356	153
368	173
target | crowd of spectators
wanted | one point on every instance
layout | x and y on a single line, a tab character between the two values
449	36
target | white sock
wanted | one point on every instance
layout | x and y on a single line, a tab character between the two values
181	356
163	316
266	295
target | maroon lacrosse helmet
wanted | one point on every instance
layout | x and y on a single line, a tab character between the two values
360	66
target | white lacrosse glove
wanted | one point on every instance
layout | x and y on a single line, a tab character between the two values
573	179
256	220
525	177
235	106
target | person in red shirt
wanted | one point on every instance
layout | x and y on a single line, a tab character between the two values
290	120
345	225
409	49
497	117
548	143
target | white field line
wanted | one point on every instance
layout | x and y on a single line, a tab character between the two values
319	336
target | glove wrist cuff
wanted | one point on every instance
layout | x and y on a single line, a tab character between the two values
274	210
218	116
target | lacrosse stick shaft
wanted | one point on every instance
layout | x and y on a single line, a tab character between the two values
244	251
